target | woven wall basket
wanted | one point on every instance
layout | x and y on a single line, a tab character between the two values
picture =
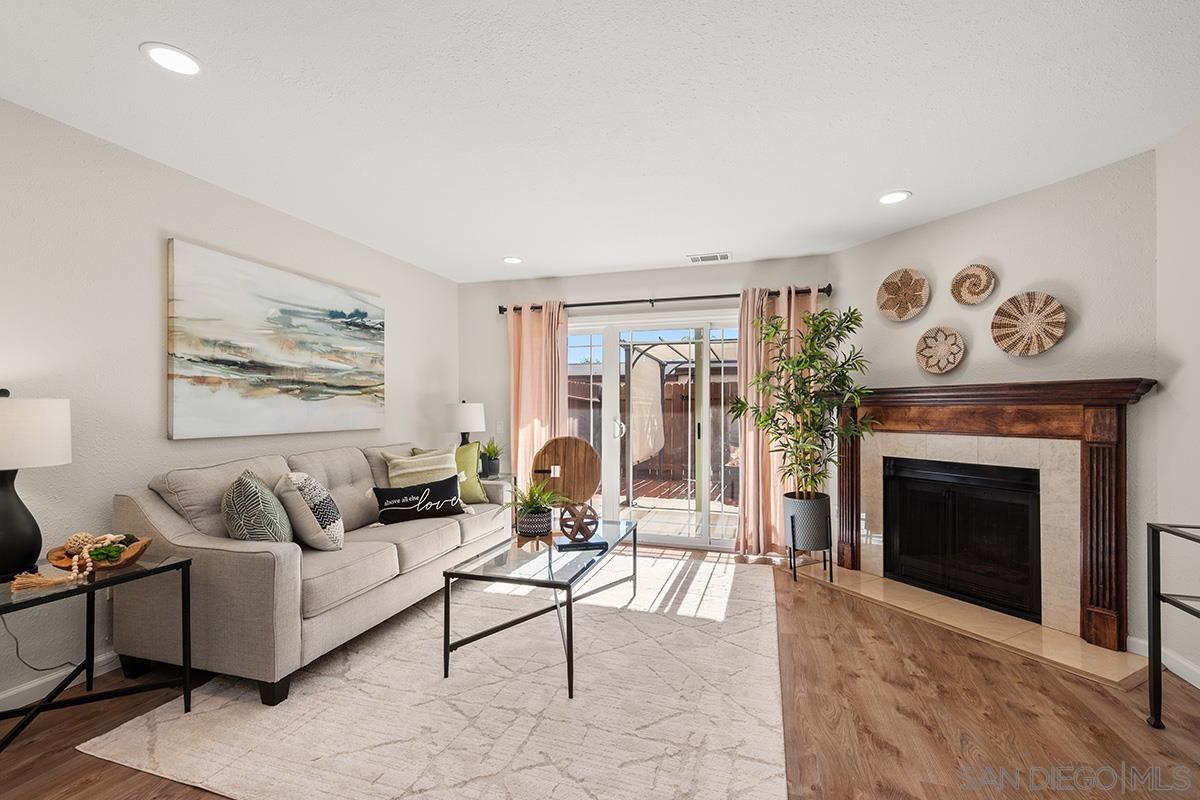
902	295
1029	323
940	349
972	284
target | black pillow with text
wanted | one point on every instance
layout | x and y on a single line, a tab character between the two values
437	499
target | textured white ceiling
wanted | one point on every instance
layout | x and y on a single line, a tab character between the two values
614	134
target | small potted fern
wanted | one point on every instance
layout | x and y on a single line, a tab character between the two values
809	378
489	456
534	506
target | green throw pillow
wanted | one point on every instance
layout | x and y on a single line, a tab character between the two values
252	511
466	459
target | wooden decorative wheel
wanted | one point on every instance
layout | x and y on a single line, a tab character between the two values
571	466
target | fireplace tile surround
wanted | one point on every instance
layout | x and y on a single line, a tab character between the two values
1057	462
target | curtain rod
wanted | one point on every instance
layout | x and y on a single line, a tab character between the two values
826	290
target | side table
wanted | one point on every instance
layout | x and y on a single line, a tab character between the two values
11	602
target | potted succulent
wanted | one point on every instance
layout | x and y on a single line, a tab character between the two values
534	509
797	401
489	455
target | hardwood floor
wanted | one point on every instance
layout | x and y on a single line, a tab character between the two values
876	705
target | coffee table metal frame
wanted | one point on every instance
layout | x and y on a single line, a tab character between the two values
560	606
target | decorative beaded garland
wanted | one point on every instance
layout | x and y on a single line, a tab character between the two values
84	544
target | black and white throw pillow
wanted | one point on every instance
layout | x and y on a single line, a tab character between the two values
436	499
314	515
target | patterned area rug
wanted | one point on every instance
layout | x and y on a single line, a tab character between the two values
677	696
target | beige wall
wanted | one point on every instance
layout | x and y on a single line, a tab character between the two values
1178	406
83	226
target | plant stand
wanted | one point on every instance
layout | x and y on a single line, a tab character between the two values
826	554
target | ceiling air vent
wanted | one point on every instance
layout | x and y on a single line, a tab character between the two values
704	258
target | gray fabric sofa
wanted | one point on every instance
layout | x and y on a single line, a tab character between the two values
262	610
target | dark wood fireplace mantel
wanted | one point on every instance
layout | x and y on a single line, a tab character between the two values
1090	411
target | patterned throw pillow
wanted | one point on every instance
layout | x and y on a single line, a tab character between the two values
251	511
437	499
466	461
424	467
314	515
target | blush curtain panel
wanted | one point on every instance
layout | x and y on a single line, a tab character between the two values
760	505
537	348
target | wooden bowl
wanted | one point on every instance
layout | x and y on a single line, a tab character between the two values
58	557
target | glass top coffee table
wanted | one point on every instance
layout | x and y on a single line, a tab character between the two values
538	562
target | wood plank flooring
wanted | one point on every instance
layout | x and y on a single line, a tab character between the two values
876	705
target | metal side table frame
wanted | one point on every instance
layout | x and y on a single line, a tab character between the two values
37	597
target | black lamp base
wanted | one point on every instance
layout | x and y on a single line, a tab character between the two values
466	439
20	537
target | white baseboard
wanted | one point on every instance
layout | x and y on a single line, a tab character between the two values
40	686
1188	670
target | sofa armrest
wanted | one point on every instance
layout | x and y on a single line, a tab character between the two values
245	596
499	492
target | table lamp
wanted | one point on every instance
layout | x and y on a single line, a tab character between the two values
466	418
33	433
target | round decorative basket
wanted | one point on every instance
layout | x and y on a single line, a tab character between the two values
1029	323
538	523
940	350
972	284
807	521
902	295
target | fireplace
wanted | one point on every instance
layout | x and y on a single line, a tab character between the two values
969	531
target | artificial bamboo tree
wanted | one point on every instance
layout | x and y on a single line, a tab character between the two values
810	377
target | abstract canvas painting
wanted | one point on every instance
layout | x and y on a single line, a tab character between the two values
255	349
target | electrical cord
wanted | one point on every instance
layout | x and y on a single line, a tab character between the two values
17	642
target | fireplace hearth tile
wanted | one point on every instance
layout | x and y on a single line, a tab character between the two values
1123	669
900	595
977	620
849	579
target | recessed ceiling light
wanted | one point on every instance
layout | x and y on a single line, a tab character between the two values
170	57
511	260
895	197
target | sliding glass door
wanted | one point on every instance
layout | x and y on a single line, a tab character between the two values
654	400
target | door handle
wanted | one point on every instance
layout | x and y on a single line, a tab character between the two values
619	429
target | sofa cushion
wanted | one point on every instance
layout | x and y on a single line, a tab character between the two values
417	541
252	512
466	463
419	467
379	467
344	471
425	500
196	493
487	517
331	577
316	520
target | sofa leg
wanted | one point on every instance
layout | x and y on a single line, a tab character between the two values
272	694
133	667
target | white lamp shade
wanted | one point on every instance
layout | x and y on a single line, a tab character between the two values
34	432
466	417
